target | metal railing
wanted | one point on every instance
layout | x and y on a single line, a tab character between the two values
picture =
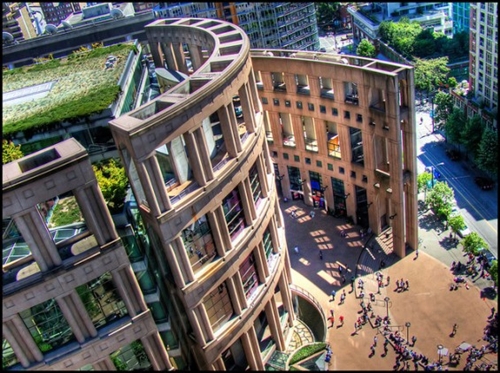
313	300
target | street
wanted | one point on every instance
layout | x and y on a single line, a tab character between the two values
336	44
479	208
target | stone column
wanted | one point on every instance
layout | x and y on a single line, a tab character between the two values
195	159
247	195
229	129
70	318
240	292
153	345
261	168
36	234
252	84
247	107
197	330
249	353
81	314
286	296
218	365
104	364
21	341
233	295
275	325
93	206
183	259
219	233
179	57
255	346
153	171
262	255
196	56
180	281
201	312
169	56
205	162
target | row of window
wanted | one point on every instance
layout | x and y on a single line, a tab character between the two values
310	106
319	164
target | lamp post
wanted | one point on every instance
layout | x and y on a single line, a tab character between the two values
432	168
432	112
387	299
408	324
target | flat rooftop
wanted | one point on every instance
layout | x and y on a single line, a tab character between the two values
31	93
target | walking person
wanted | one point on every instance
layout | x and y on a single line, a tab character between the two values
341	319
416	253
296	248
413	340
492	312
332	320
321	254
343	279
372	349
407	285
388	280
333	295
375	339
455	327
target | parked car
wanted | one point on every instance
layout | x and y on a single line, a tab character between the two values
453	154
484	183
464	232
487	255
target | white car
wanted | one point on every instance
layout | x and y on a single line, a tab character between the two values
464	232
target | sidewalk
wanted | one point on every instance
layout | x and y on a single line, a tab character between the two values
428	305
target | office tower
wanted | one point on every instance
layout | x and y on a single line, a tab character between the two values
16	23
460	16
268	25
56	12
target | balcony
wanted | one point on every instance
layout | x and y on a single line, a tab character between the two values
352	100
279	87
311	144
327	93
303	90
288	140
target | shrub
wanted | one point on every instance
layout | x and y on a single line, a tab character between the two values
307	351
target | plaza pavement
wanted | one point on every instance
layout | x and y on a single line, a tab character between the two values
428	305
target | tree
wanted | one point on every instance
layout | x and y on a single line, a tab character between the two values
429	73
440	199
328	12
113	182
400	35
366	49
456	223
471	135
422	180
454	125
493	271
10	151
425	45
487	154
473	242
443	106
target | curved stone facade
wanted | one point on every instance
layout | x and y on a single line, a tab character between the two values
199	166
341	131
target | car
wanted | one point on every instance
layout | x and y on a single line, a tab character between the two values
487	255
464	232
484	183
453	154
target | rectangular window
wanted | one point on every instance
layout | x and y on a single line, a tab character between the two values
249	277
233	212
199	244
364	179
335	112
359	118
218	307
310	106
347	115
322	109
285	155
308	160
319	164
353	174
288	103
264	100
276	102
299	104
330	166
296	158
341	170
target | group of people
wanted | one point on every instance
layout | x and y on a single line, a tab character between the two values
402	285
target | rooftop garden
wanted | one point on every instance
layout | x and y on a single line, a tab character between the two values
85	83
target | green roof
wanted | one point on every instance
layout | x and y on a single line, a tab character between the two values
58	90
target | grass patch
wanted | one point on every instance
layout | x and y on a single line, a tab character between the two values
66	212
307	351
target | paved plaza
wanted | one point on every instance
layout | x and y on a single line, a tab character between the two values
429	306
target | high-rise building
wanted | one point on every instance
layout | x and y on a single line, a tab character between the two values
56	12
479	95
16	23
268	25
460	16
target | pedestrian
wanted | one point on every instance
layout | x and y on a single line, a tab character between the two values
361	294
388	280
343	279
372	348
321	254
355	328
413	340
331	312
492	312
332	320
407	287
333	294
340	269
341	319
296	248
416	253
379	286
375	339
342	298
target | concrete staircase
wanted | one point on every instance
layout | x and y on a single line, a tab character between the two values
384	241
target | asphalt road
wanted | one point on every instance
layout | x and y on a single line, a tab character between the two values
478	207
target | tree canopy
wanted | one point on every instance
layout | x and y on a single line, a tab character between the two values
487	154
113	182
471	134
10	151
473	242
443	106
422	180
429	74
440	199
454	125
366	49
327	12
456	223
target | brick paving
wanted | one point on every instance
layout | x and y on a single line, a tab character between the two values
428	305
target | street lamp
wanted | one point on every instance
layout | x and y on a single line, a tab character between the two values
408	324
432	112
387	299
432	168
